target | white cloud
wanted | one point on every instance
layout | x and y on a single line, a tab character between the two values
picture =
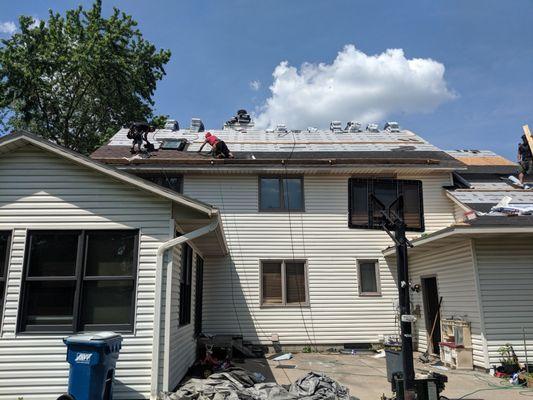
255	85
355	86
8	27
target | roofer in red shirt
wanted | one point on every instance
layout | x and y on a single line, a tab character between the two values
218	147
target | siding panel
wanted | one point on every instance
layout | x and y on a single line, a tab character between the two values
321	235
453	266
40	190
505	268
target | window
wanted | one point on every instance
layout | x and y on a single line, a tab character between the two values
185	284
169	181
283	283
5	238
368	276
281	194
79	280
365	213
198	296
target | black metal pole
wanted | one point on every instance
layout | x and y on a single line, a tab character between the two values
405	310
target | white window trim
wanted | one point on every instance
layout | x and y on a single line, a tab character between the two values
378	278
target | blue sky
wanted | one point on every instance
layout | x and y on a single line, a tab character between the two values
220	47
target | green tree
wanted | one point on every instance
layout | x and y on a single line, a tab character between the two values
75	79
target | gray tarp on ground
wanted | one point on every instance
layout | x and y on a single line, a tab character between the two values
239	384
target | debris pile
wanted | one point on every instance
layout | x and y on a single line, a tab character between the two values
505	207
239	384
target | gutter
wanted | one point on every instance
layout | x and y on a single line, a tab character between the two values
462	229
161	251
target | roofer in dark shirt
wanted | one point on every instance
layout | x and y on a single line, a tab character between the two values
218	147
139	132
525	159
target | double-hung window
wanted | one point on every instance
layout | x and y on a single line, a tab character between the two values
186	285
281	194
283	283
5	239
365	212
79	280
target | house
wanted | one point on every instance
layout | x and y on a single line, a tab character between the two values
481	266
305	262
281	243
84	246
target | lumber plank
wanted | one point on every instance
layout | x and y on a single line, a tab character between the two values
529	138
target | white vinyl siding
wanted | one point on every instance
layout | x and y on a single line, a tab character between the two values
182	351
320	235
505	267
39	190
452	265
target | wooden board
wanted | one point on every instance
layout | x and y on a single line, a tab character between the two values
529	138
489	160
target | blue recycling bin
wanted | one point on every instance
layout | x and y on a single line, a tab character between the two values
92	358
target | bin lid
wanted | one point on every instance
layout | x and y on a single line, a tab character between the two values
93	338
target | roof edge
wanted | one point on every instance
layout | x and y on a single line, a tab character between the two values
106	169
461	230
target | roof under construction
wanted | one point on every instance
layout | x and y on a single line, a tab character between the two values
253	146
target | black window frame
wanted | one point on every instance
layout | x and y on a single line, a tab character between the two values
79	278
187	257
281	185
284	303
370	184
4	270
163	178
198	296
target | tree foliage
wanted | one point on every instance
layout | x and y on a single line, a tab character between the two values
75	79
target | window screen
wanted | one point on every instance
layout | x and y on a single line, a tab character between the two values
272	291
295	282
79	280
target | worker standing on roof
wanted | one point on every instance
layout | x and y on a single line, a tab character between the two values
525	159
218	147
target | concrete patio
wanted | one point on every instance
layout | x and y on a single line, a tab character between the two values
366	377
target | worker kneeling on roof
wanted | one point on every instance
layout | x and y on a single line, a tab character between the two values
218	147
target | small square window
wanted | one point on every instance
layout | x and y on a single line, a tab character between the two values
368	276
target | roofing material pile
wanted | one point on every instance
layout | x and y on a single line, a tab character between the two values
504	207
239	384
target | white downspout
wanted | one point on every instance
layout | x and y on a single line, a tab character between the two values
158	289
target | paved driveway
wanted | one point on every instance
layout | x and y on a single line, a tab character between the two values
366	377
